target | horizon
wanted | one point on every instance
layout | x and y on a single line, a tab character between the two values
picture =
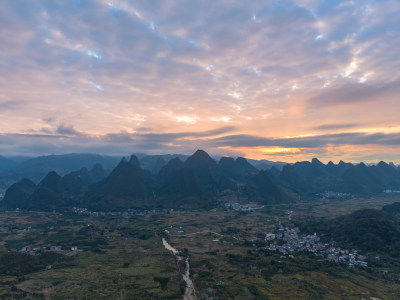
141	155
281	81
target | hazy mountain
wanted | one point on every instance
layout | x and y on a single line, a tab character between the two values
290	176
388	175
18	194
52	192
315	173
194	183
264	188
266	164
154	163
98	173
238	169
198	182
338	169
48	195
36	168
174	164
361	180
208	172
178	185
160	162
81	178
6	163
205	168
274	171
316	177
125	187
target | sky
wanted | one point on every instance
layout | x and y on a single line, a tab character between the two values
276	80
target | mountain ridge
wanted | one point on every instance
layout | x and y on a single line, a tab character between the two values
197	182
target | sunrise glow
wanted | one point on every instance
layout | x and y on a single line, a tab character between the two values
268	80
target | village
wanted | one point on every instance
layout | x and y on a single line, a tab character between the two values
262	245
35	251
80	211
288	240
242	207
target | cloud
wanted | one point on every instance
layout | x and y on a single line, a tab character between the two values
64	139
335	126
356	93
164	138
95	73
316	141
67	130
11	105
218	142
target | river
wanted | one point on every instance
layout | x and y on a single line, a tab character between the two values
189	292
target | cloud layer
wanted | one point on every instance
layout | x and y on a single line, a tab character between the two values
284	80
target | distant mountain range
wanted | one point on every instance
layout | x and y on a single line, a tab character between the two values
178	181
13	169
315	177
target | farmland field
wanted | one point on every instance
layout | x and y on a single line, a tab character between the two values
123	257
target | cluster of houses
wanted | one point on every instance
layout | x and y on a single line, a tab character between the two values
29	228
391	191
242	207
333	195
289	240
179	229
30	250
130	212
35	251
85	212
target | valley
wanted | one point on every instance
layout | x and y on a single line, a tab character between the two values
95	256
201	229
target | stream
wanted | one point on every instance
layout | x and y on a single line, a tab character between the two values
189	292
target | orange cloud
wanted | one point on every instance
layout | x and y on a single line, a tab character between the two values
285	154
